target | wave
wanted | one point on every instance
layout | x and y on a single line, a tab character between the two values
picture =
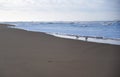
88	38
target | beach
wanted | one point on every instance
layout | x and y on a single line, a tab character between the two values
35	54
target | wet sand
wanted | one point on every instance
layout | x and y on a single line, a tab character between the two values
34	54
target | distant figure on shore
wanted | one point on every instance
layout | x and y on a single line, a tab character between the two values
86	38
77	37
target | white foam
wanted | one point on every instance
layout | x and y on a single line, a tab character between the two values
89	39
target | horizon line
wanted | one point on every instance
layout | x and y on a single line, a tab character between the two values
60	21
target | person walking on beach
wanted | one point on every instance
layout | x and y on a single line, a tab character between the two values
77	37
86	38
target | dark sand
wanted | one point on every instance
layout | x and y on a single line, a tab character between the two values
34	54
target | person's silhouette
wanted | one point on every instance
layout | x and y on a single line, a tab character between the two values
77	37
86	38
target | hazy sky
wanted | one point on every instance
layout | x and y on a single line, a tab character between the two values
59	10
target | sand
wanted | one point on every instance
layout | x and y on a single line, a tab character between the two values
34	54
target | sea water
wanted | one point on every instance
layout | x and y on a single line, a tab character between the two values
95	31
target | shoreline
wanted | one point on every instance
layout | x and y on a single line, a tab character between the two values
88	38
36	54
102	40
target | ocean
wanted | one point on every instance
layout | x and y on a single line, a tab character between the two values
95	31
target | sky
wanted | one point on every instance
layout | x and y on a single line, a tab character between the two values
59	10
